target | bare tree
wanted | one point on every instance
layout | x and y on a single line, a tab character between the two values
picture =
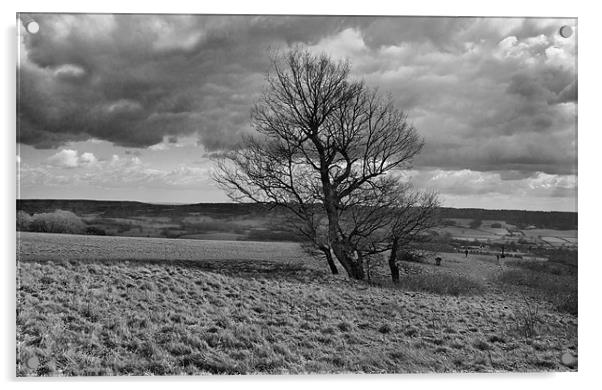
414	214
391	218
323	139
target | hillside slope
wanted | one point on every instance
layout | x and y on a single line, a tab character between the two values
84	316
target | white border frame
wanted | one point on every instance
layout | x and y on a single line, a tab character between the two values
588	144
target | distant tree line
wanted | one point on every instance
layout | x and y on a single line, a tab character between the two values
521	218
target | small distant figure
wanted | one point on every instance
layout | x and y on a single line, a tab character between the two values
437	260
466	253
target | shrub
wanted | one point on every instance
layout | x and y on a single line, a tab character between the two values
475	223
567	303
442	284
23	221
59	221
441	238
344	326
411	256
496	225
544	266
538	280
560	290
96	231
527	319
385	328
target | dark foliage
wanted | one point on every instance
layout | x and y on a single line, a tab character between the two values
521	218
96	231
475	223
123	209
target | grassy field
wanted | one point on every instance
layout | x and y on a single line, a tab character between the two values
133	306
36	246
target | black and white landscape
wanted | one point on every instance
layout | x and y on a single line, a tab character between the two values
206	194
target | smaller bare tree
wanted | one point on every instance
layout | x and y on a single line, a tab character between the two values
389	217
414	215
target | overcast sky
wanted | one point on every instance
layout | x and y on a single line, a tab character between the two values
130	107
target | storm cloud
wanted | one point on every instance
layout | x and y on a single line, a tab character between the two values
488	94
133	79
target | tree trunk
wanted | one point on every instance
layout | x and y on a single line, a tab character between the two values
342	250
393	263
354	267
330	260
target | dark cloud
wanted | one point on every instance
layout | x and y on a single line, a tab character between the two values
488	94
569	93
132	80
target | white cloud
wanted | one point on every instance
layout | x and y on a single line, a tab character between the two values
348	44
158	147
69	71
475	183
87	158
117	172
66	158
123	106
69	158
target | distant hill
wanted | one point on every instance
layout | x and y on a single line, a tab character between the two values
521	218
123	209
128	209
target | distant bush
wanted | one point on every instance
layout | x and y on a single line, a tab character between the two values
411	256
169	233
448	222
567	303
23	221
96	231
60	221
475	223
496	225
442	238
442	284
560	255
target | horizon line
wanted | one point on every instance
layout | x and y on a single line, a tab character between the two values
249	203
